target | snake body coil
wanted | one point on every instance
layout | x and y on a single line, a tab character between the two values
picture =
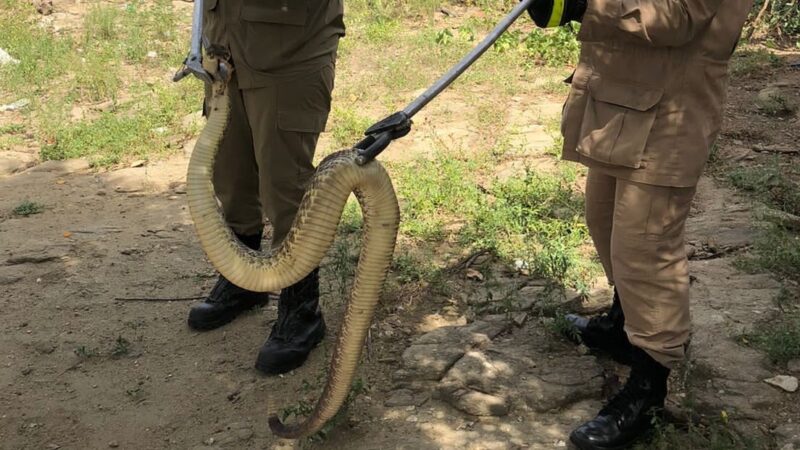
310	238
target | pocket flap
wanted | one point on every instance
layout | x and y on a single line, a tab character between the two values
302	121
628	95
210	5
283	12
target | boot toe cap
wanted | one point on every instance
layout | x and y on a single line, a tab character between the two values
595	434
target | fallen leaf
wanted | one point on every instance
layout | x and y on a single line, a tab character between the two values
473	274
67	234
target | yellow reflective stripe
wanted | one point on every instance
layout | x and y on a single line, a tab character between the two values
558	11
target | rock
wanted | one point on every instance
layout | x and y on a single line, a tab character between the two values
430	362
17	105
152	54
511	371
105	106
784	219
406	397
5	58
138	163
556	385
432	354
520	318
787	434
5	280
598	299
794	366
61	167
775	101
113	444
44	7
776	148
475	403
527	297
785	382
477	333
36	254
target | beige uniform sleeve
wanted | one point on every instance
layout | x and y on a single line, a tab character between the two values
662	23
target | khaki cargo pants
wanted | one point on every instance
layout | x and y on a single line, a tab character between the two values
638	230
266	157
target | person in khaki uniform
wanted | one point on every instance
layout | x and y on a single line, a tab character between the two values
283	56
644	109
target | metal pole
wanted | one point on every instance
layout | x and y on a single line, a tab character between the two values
381	134
467	61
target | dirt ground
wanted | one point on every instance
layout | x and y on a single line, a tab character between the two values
82	367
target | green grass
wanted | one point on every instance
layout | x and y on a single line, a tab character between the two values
141	129
43	57
716	435
434	192
410	268
536	218
747	62
122	347
28	208
771	183
11	136
105	62
348	126
776	250
780	341
85	352
779	338
11	129
304	406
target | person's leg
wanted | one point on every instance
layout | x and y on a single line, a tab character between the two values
236	183
236	186
605	332
651	275
287	118
651	268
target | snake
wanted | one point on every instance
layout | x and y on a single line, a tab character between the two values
306	244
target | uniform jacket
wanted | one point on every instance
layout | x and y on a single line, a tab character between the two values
647	95
274	38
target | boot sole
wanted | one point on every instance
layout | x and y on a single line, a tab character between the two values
290	366
645	437
208	325
221	320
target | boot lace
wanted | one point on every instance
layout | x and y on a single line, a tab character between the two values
620	404
295	302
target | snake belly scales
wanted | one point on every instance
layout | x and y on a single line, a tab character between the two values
311	236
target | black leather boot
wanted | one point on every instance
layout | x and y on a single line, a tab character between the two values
629	415
298	329
226	300
604	333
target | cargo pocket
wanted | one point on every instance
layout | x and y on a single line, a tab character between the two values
273	30
302	121
617	121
